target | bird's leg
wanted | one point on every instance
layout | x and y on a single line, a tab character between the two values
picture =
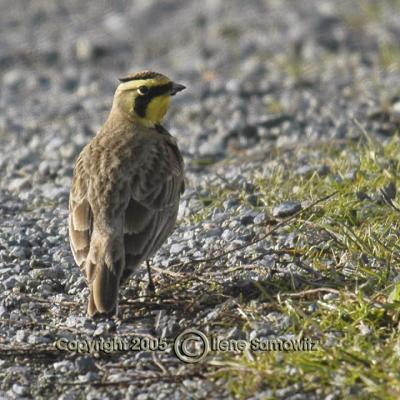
150	286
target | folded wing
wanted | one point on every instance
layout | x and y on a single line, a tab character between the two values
153	206
80	214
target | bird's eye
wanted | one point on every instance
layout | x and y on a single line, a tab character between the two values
143	90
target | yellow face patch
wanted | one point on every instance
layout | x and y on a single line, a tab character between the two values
157	108
147	100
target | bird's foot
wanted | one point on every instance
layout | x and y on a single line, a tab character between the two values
151	289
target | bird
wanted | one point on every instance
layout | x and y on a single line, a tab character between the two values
125	190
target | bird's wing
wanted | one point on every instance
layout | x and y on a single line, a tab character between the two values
155	190
80	213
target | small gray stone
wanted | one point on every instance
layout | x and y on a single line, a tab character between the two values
269	261
20	390
260	219
177	248
21	336
308	170
63	366
332	396
142	396
211	233
84	49
85	364
18	184
249	187
265	394
13	78
10	283
305	170
330	296
231	203
19	252
260	249
89	377
247	220
228	235
235	333
103	328
54	192
313	307
286	209
255	200
287	391
68	396
36	339
44	273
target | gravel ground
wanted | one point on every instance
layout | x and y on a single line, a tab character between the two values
261	76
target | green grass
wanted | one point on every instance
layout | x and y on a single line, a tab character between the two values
356	365
389	56
352	242
365	12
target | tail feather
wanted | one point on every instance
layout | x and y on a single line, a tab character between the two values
103	272
105	290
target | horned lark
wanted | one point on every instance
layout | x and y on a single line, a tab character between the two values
126	187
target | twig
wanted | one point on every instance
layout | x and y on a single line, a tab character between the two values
368	137
49	301
31	351
314	291
131	380
227	182
388	200
168	272
158	363
237	268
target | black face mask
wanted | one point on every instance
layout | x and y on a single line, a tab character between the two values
142	101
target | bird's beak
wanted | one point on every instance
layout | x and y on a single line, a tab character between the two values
176	87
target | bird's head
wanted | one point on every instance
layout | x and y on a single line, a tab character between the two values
145	96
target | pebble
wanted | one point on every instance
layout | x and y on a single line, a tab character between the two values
102	329
330	296
231	203
85	364
10	283
260	219
212	233
228	235
19	252
265	394
44	273
247	220
286	209
21	335
20	390
89	377
18	184
255	200
308	170
177	248
63	366
36	339
235	333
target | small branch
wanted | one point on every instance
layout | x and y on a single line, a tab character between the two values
168	272
314	291
141	381
159	364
